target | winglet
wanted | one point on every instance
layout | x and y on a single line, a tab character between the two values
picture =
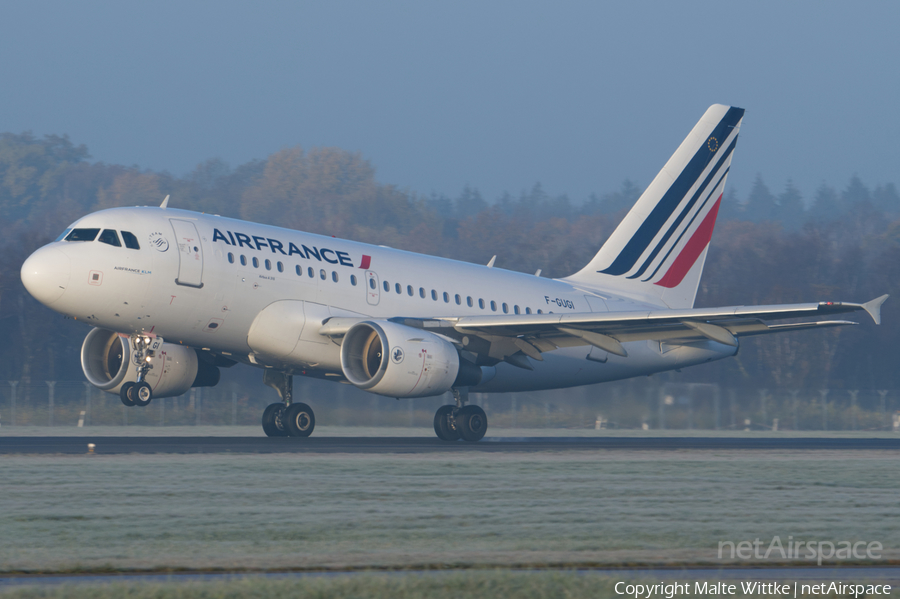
874	307
165	203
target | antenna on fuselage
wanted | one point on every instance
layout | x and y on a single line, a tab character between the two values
491	263
165	202
538	273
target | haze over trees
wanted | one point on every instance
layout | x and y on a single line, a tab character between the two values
772	246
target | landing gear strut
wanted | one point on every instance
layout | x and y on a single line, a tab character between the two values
140	393
468	423
286	418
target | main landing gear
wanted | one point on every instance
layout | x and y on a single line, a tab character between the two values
286	419
468	423
140	393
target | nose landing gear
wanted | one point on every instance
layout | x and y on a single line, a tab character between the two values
144	348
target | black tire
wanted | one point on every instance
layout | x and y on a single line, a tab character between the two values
125	394
472	423
299	420
141	394
442	427
273	420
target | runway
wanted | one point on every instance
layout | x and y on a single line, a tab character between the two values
409	445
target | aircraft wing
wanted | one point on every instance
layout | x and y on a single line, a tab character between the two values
502	336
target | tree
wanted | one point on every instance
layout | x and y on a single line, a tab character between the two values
761	205
790	211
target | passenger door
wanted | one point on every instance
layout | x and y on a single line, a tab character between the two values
190	253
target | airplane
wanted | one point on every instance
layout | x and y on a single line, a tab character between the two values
175	295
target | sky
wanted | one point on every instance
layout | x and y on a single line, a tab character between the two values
578	96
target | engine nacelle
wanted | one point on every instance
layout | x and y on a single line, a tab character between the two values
106	362
400	361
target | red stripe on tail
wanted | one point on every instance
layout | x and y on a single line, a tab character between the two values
692	250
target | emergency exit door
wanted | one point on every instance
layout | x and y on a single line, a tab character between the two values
190	253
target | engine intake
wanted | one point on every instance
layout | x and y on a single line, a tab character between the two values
106	362
400	361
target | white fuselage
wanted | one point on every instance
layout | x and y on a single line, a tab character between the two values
202	280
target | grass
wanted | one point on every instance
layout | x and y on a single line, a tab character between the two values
490	585
473	585
257	512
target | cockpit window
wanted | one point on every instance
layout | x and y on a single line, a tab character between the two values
110	237
82	235
130	240
63	235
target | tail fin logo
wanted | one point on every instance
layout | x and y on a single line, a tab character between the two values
659	249
682	208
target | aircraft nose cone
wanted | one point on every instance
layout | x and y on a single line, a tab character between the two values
45	274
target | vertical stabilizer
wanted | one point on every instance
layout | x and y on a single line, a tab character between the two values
658	251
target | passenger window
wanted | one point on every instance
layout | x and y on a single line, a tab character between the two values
422	292
353	280
397	287
493	305
469	300
130	240
409	290
230	258
298	270
311	273
446	298
386	285
434	295
481	303
243	260
540	311
334	276
109	237
255	262
280	267
458	300
82	235
516	309
372	283
268	264
527	310
322	274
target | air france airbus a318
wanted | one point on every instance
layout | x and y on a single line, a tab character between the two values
174	295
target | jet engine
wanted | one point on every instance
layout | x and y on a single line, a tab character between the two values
400	361
106	362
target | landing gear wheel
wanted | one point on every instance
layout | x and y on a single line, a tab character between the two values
442	425
141	394
472	423
273	420
299	420
125	394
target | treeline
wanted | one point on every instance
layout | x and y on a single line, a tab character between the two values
770	247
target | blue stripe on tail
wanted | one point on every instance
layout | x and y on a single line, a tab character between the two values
661	213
